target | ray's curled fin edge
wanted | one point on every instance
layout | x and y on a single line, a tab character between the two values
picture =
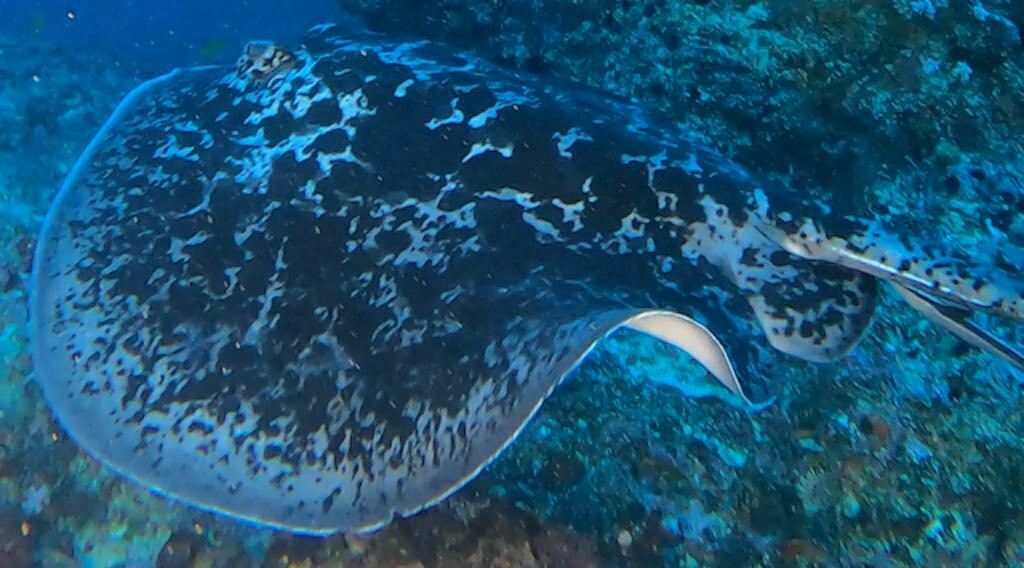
699	342
673	328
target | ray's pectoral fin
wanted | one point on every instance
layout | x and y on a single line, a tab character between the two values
813	310
816	311
690	336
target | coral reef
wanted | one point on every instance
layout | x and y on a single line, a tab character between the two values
484	536
53	100
15	543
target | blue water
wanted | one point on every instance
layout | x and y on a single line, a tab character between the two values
159	35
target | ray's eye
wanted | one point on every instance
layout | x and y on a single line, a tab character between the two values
261	61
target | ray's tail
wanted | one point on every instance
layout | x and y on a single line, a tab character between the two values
943	285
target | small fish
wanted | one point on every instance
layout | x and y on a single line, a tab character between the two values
212	49
36	24
327	287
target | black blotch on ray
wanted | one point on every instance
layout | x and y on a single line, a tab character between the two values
396	425
133	384
174	198
186	227
780	258
553	214
324	112
333	141
306	405
422	294
381	92
535	166
211	257
222	114
675	180
750	256
186	139
398	145
288	176
279	126
145	142
296	325
272	452
198	388
337	73
475	101
620	190
393	242
807	329
831	316
347	179
187	299
206	259
501	226
328	503
334	235
132	280
238	358
258	268
229	212
449	236
723	189
201	428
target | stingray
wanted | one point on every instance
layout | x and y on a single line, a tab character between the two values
324	288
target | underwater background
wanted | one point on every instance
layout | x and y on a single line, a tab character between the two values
909	452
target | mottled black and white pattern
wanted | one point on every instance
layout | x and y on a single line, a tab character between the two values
326	288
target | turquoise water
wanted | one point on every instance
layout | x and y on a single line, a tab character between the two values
905	452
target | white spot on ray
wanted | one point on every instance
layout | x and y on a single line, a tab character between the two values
177	249
481	119
542	226
566	141
484	147
299	106
505	99
400	90
274	290
570	213
171	149
456	117
353	105
691	166
587	189
257	140
633	225
449	295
